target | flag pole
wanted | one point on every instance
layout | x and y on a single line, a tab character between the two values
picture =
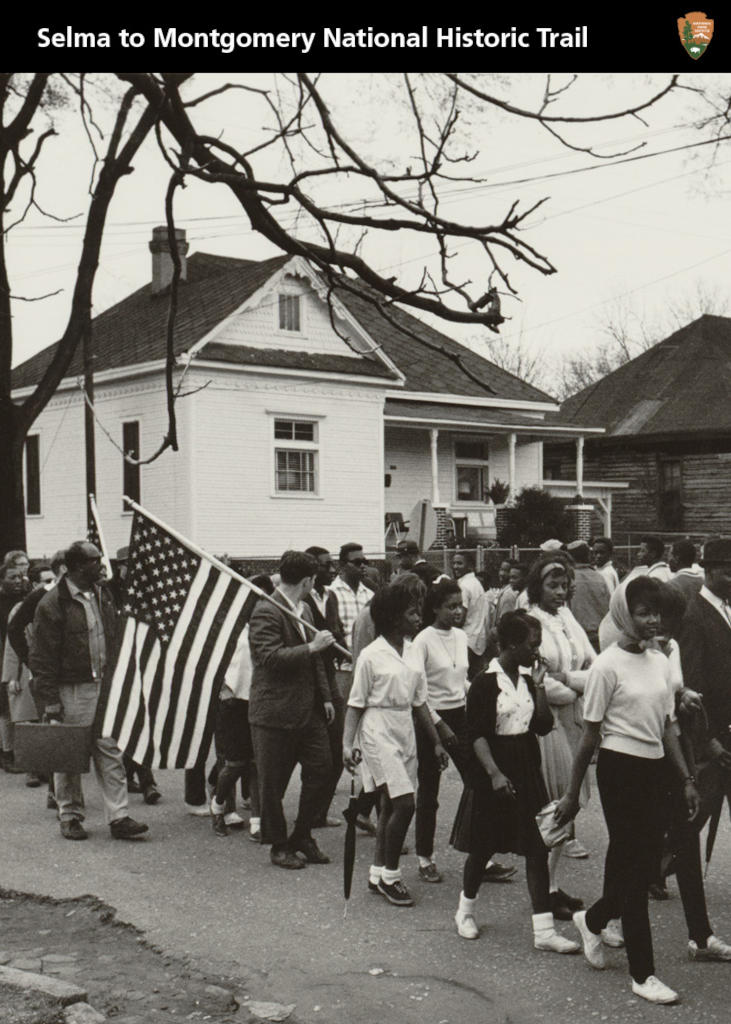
228	570
102	545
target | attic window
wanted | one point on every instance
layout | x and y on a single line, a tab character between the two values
289	313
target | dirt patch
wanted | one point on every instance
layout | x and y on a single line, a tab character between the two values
127	979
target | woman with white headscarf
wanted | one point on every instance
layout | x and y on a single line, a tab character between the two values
628	708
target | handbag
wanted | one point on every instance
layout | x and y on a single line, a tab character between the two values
42	748
552	833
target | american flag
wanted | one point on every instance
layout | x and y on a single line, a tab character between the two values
95	536
184	617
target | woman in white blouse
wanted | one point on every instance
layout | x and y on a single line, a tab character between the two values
389	683
568	654
443	649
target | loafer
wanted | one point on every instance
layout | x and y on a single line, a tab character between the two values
73	829
286	859
152	794
127	828
328	822
430	873
133	787
560	910
310	850
218	825
32	781
233	819
498	873
574	903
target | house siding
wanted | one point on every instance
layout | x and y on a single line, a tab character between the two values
408	461
258	327
164	483
236	508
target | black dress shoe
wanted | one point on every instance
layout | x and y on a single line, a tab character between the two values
73	829
219	825
152	794
133	787
559	908
574	903
312	852
286	859
127	828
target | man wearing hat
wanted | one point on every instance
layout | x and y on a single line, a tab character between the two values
705	651
410	559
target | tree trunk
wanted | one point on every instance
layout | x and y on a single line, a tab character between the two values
12	498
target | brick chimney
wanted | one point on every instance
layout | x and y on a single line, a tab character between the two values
162	262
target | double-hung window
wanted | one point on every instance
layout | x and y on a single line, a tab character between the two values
471	470
290	313
296	456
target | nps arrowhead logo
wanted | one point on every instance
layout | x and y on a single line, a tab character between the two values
696	32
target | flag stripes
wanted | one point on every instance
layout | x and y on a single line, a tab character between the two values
185	617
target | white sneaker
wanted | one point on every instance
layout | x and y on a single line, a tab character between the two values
573	848
593	950
612	935
545	936
715	949
198	810
654	991
234	820
465	918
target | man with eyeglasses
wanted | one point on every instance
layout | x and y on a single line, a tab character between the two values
352	596
75	640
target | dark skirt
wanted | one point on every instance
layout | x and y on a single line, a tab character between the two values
486	824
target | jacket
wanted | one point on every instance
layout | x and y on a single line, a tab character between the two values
705	654
59	651
288	682
329	621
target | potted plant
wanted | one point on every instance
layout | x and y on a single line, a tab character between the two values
498	492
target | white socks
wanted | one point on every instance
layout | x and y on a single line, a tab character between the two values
374	874
546	937
389	877
217	808
465	918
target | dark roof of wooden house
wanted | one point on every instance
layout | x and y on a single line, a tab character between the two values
133	332
679	387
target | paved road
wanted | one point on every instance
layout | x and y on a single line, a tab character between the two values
221	902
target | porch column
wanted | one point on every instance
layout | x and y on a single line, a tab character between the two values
512	439
580	466
434	441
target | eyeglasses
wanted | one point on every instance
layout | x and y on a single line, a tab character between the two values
358	562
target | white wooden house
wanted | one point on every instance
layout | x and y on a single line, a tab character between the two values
309	417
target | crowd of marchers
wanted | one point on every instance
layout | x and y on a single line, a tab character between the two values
521	682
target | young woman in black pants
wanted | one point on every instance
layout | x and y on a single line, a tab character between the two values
628	704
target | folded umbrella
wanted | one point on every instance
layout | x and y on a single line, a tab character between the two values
350	814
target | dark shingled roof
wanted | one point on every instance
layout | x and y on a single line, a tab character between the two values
680	386
480	416
134	330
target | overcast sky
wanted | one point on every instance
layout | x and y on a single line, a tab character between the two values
644	232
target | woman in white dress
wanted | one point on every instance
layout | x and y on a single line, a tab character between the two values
567	652
388	685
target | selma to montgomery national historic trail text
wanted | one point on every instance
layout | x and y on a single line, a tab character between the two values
425	36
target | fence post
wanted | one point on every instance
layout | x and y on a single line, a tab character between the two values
479	558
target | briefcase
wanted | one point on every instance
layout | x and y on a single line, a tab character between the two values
42	748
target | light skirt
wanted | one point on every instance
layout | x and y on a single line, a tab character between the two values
388	744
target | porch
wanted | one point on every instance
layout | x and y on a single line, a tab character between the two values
452	455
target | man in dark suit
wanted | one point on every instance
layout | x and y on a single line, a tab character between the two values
290	707
323	607
705	650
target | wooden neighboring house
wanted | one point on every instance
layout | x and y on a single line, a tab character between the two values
667	422
309	416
